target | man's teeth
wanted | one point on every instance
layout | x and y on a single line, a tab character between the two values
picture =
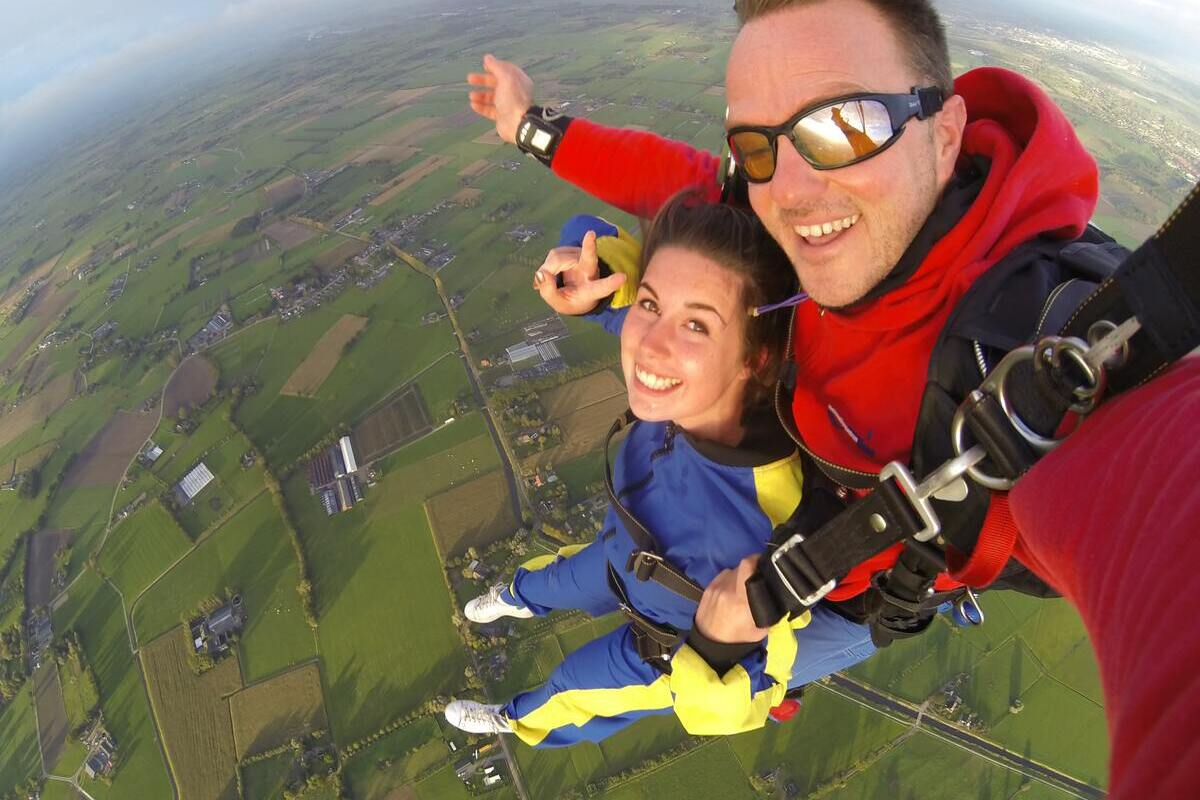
655	381
825	228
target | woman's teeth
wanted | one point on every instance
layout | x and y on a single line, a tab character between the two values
656	382
825	228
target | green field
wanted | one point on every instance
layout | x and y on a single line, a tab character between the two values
79	690
396	759
141	548
19	755
385	634
266	780
250	554
93	609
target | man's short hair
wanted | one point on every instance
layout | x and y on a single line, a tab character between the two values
916	23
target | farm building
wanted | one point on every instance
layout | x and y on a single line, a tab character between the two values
320	471
546	330
331	476
192	484
329	502
211	634
521	352
348	454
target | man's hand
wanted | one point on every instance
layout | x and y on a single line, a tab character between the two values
505	94
582	287
724	612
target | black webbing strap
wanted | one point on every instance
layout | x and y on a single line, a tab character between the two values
655	642
1159	283
645	562
804	567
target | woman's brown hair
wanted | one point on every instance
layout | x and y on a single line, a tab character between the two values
735	239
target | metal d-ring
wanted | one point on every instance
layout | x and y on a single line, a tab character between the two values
1053	348
996	384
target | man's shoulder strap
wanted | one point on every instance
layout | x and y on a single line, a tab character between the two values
1028	293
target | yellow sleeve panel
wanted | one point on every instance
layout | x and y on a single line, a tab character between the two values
708	704
623	254
779	485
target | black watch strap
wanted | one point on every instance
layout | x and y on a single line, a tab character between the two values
540	131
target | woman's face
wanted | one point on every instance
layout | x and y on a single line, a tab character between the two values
683	344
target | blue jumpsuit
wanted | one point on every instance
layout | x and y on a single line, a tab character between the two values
708	506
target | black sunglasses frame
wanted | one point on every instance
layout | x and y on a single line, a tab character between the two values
920	103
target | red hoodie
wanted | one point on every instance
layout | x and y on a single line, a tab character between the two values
1041	182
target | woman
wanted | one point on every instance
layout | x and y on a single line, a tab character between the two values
707	471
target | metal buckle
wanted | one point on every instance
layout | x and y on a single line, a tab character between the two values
968	608
642	564
810	599
946	477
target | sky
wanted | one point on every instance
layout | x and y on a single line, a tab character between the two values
65	63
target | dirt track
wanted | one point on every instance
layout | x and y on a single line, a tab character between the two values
110	451
307	378
289	234
191	385
39	569
51	712
35	410
410	177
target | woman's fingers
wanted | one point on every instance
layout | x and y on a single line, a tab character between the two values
589	262
482	79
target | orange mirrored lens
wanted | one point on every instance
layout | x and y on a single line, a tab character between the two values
754	155
839	134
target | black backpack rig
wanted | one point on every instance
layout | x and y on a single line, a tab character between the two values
1047	332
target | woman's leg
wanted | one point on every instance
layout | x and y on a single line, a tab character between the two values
596	691
829	643
576	577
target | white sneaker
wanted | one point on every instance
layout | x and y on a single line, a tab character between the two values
491	607
472	717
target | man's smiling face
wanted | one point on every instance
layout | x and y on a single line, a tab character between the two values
790	59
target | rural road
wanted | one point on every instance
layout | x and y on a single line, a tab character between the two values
515	489
990	750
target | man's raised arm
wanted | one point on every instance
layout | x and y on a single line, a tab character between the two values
635	171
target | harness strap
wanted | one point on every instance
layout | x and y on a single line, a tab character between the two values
645	562
656	643
806	565
993	548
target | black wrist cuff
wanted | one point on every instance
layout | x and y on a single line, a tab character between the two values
721	656
540	131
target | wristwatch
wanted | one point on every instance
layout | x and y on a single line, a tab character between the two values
540	131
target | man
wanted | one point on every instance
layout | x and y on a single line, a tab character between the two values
886	243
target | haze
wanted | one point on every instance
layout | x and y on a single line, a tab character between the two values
68	65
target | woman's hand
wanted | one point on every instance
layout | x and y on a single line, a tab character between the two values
582	289
724	612
505	94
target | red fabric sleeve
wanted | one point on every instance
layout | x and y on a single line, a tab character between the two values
1112	519
633	170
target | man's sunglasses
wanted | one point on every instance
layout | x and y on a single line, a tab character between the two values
834	133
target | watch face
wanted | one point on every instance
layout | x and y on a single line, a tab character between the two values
540	140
